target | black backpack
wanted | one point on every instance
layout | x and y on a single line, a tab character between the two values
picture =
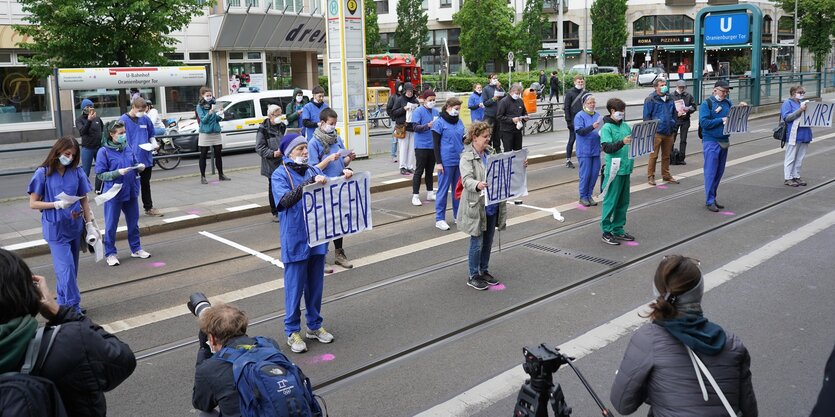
22	394
710	110
676	157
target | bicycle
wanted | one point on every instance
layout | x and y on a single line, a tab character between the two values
379	116
168	147
545	124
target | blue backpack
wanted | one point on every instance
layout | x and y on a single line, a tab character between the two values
268	383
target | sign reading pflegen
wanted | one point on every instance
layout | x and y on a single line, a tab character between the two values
817	115
737	120
337	208
643	139
507	176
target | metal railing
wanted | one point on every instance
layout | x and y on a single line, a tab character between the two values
774	88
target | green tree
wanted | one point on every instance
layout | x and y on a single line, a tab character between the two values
529	31
487	32
817	19
609	31
372	30
412	27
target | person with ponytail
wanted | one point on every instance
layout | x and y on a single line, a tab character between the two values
662	365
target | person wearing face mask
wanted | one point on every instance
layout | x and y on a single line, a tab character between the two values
662	363
797	138
62	222
304	266
571	107
660	106
90	126
476	104
511	115
423	120
713	115
402	114
683	119
210	116
294	108
311	110
615	136
491	95
140	130
448	138
587	128
328	153
267	139
116	164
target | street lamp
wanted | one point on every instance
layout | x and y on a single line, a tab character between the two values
794	47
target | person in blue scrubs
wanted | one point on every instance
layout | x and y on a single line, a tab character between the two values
304	266
448	138
311	110
116	164
422	120
139	130
587	128
328	153
476	104
62	222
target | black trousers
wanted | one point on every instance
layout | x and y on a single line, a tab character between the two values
554	93
495	137
145	188
204	153
512	141
425	164
681	132
273	208
569	148
337	243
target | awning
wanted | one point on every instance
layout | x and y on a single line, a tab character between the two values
642	49
725	47
677	48
544	53
271	31
391	59
576	51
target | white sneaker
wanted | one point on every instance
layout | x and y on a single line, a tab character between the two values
430	195
441	224
416	200
321	335
112	260
296	343
140	254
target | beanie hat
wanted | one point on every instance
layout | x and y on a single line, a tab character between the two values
586	97
86	103
408	87
427	93
290	141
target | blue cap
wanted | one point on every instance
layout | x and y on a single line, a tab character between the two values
289	142
86	103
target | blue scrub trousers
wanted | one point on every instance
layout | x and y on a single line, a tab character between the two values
715	158
65	262
303	278
447	180
112	210
589	169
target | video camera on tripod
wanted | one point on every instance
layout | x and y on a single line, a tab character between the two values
540	363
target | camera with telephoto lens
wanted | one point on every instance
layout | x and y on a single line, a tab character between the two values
198	303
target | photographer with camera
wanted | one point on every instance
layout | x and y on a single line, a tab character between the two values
230	367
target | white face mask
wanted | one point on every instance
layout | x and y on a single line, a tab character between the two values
140	113
277	120
300	160
717	97
478	91
579	86
207	98
800	96
514	96
452	112
429	104
494	82
65	160
299	99
328	128
618	116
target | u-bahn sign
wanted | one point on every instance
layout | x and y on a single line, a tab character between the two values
727	29
92	78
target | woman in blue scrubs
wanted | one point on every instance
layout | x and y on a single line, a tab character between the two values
62	222
448	140
304	266
116	164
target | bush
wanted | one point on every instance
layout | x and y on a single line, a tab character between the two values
605	82
464	83
323	81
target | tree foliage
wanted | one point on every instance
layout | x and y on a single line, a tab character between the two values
529	30
99	33
609	31
372	30
817	19
412	27
487	32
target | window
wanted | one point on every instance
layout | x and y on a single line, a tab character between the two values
5	57
23	98
251	3
236	55
570	30
454	36
382	7
644	26
235	3
183	99
242	110
198	56
767	25
785	25
253	55
425	4
106	101
387	40
175	56
428	40
666	24
440	35
446	4
279	101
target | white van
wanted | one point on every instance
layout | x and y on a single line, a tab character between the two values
243	112
585	69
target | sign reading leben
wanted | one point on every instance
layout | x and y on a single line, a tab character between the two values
727	29
93	78
337	208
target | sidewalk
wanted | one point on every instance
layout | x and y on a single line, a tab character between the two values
185	202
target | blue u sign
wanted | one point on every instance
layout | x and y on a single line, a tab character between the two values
727	29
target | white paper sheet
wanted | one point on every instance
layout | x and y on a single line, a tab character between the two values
345	152
69	199
105	197
147	146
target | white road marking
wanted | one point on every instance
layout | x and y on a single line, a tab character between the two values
507	383
180	218
243	207
25	245
242	248
395	181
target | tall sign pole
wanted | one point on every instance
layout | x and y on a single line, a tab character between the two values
560	41
346	71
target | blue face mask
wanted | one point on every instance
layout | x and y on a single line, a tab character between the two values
665	89
121	139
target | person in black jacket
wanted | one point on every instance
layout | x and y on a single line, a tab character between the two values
84	362
683	120
511	115
491	95
555	87
222	325
90	127
267	139
402	114
572	106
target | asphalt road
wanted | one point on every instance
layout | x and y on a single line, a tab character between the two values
411	335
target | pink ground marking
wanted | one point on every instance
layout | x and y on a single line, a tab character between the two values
633	243
582	207
195	212
216	182
727	213
157	264
499	287
661	187
327	357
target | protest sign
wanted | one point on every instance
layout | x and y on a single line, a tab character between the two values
817	115
643	139
737	120
337	208
507	176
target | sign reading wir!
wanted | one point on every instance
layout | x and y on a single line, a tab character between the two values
727	29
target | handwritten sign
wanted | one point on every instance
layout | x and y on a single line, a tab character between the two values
507	176
643	139
737	120
817	115
337	208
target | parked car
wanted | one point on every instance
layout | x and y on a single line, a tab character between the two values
585	69
648	75
608	70
242	113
